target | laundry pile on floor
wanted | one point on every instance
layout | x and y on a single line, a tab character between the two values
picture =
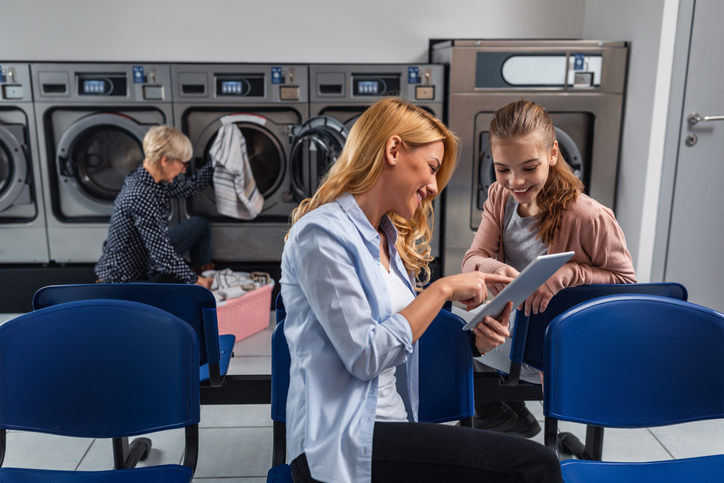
227	284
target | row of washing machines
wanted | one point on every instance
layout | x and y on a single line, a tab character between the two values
70	133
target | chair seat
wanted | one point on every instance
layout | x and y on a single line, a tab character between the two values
226	348
703	469
152	474
280	474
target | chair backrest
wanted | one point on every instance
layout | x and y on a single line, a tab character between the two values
191	303
98	369
635	361
446	371
280	362
529	332
281	312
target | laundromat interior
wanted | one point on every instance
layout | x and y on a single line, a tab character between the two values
634	89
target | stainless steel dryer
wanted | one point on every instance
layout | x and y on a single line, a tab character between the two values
580	83
341	93
267	102
22	214
91	122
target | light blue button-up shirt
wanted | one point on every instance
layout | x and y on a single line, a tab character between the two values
341	335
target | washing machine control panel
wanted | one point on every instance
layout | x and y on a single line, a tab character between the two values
375	86
102	85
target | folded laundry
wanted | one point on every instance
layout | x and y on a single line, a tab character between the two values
227	284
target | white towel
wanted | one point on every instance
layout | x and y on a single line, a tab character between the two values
236	192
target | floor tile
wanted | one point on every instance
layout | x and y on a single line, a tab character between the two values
238	452
250	365
229	480
692	439
6	317
258	344
167	447
249	415
623	444
44	451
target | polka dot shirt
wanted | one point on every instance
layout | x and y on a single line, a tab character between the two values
137	244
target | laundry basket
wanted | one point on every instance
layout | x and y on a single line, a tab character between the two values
246	315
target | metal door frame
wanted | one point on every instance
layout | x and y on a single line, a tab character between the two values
674	125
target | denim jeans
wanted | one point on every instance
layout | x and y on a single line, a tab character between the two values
426	452
193	236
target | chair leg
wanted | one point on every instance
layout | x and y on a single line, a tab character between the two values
594	442
127	456
279	445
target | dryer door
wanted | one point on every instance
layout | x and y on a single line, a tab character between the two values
13	168
315	147
96	154
568	149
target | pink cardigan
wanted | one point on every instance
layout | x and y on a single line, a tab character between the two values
587	228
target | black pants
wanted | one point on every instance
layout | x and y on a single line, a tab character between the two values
424	452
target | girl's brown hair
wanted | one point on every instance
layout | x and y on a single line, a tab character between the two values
517	120
360	164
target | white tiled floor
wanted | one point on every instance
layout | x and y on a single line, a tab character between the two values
236	441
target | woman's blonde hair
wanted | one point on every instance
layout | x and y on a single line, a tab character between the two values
517	120
162	141
360	164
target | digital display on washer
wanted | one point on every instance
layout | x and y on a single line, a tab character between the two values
231	88
384	85
368	87
97	87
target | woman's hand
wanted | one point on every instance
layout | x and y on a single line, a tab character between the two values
204	282
470	288
538	301
507	271
490	333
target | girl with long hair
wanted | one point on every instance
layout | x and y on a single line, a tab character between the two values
352	270
536	207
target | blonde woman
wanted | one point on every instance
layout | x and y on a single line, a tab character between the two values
352	266
140	247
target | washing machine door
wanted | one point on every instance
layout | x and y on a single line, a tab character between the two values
316	145
97	152
264	149
568	149
13	169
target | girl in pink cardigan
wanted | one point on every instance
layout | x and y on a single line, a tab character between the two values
537	207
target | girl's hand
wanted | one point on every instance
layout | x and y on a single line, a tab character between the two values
538	301
471	288
490	333
505	270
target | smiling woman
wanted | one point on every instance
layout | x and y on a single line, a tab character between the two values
353	264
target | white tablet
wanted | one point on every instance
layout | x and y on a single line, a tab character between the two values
522	286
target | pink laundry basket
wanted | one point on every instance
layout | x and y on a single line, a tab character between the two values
246	315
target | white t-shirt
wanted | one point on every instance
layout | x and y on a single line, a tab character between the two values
390	406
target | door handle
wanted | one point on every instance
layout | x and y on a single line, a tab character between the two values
694	117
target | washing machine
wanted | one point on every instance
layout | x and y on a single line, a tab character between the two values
580	83
340	93
91	122
22	214
268	102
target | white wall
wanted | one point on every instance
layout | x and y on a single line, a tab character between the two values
268	30
640	22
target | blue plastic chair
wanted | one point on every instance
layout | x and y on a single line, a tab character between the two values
191	303
446	381
529	334
616	362
77	384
